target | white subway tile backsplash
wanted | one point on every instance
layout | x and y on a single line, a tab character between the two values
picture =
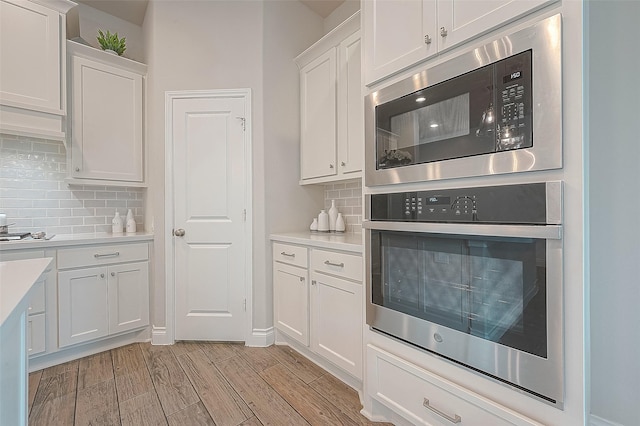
348	197
35	196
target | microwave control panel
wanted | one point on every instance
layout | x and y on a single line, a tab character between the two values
522	204
513	98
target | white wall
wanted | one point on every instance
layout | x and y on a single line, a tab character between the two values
613	204
92	20
231	44
289	28
342	12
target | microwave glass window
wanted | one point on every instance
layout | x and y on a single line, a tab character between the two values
481	112
488	287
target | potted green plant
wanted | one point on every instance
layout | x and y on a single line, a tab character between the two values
111	42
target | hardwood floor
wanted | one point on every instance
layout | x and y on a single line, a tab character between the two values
191	383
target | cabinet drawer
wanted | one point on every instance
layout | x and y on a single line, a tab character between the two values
426	399
37	303
339	264
102	255
292	255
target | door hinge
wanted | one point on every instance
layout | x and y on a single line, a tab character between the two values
244	305
244	215
243	120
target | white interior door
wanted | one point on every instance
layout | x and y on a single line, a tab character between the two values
209	169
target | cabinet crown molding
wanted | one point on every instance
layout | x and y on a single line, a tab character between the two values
62	6
81	50
332	38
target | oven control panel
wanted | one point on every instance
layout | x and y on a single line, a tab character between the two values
524	203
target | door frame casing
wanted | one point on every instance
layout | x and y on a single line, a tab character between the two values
167	336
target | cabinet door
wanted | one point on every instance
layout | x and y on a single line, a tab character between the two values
82	301
107	122
336	322
466	19
350	106
128	296
291	301
318	117
397	34
36	334
30	69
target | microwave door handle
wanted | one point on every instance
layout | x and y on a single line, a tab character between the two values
548	232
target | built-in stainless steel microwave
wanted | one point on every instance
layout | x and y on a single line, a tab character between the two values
492	110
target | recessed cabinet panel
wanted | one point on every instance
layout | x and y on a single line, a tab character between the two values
36	330
128	296
318	103
82	296
336	327
30	37
291	301
350	106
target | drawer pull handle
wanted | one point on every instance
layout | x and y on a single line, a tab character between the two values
98	256
288	254
339	265
455	419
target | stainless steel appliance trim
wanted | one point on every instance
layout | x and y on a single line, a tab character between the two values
545	39
541	378
548	232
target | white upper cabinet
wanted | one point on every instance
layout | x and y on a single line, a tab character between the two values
32	67
106	111
428	27
331	106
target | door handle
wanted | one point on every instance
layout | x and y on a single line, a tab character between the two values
178	232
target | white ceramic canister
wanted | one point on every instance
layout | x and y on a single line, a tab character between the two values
323	221
333	216
131	223
314	225
340	225
116	224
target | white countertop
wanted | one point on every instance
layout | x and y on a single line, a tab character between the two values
16	279
349	241
75	240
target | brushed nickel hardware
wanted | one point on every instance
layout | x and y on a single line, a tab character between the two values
242	120
443	32
331	166
343	164
284	253
427	39
113	274
178	232
77	169
98	255
101	275
339	265
301	279
455	419
313	282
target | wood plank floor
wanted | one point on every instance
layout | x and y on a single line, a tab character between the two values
191	383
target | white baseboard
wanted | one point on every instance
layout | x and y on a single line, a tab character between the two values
261	337
159	336
599	421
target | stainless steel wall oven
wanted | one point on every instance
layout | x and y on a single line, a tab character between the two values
496	109
473	275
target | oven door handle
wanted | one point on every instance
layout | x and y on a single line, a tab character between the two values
548	232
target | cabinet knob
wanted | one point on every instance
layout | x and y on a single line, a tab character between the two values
313	282
427	39
301	279
443	31
113	274
343	164
101	275
77	169
331	166
178	232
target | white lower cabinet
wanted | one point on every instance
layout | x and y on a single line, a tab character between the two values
326	316
99	301
424	398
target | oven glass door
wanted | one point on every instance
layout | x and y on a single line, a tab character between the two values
481	112
493	288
